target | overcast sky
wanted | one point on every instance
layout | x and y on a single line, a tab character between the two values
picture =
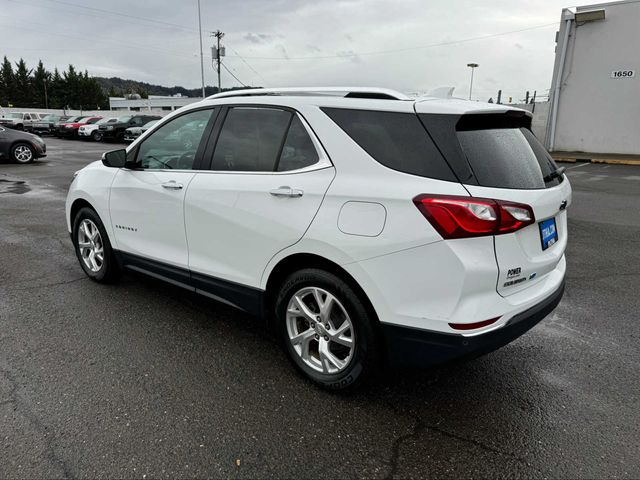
296	42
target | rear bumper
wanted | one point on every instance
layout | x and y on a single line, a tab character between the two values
415	347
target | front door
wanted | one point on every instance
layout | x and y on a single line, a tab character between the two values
147	199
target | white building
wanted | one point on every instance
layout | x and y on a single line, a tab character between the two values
595	91
154	102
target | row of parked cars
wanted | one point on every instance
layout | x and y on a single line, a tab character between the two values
21	132
125	128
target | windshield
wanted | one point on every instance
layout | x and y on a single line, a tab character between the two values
72	119
124	119
150	124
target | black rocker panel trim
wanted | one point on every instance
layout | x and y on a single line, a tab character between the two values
248	299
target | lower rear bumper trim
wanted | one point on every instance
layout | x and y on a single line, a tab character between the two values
422	348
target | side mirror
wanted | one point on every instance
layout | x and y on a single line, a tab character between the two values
115	158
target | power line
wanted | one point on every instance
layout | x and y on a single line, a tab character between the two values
247	64
111	12
231	73
406	49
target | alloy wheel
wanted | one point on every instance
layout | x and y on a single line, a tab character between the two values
90	245
320	330
23	154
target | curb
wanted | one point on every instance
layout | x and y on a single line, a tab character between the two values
608	161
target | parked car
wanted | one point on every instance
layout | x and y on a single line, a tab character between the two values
59	125
70	129
20	120
115	131
92	130
364	226
131	133
47	123
21	147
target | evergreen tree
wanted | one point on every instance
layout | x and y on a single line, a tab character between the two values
6	83
56	90
23	86
41	85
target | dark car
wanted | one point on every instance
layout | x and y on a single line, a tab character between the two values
21	147
47	123
70	129
115	130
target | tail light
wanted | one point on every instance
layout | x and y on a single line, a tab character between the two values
463	217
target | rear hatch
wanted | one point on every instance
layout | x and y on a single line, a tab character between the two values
495	156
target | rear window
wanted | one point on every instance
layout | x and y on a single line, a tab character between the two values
507	158
396	140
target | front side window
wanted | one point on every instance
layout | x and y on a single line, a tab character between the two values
251	139
174	144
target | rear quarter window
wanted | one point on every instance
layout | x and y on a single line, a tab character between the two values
396	140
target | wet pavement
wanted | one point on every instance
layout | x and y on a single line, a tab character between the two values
140	379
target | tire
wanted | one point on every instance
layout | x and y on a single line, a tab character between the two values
22	153
96	136
20	127
87	241
330	358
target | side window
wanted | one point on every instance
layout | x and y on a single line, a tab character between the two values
396	140
298	150
250	139
174	145
27	116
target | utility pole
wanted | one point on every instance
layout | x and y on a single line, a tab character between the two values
201	55
473	66
219	53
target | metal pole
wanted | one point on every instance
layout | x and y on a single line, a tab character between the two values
201	56
558	83
473	67
218	36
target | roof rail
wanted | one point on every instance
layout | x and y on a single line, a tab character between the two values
346	92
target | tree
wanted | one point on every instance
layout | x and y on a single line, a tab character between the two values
56	90
23	86
41	80
6	82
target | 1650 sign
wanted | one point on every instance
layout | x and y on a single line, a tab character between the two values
623	74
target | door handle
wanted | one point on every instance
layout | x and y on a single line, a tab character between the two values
286	192
172	185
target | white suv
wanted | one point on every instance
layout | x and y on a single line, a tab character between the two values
363	225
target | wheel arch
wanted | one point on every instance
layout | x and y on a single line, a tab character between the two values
299	261
76	206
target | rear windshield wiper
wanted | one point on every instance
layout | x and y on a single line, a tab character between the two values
557	173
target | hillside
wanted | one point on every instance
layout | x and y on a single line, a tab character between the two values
116	86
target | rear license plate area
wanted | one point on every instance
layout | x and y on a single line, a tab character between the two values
548	233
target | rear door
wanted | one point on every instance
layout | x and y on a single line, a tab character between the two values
268	176
506	162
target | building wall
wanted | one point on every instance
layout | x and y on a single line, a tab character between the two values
153	103
597	113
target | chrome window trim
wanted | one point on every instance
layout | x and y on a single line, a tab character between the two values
323	159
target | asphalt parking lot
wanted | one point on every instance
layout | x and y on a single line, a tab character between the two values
142	380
